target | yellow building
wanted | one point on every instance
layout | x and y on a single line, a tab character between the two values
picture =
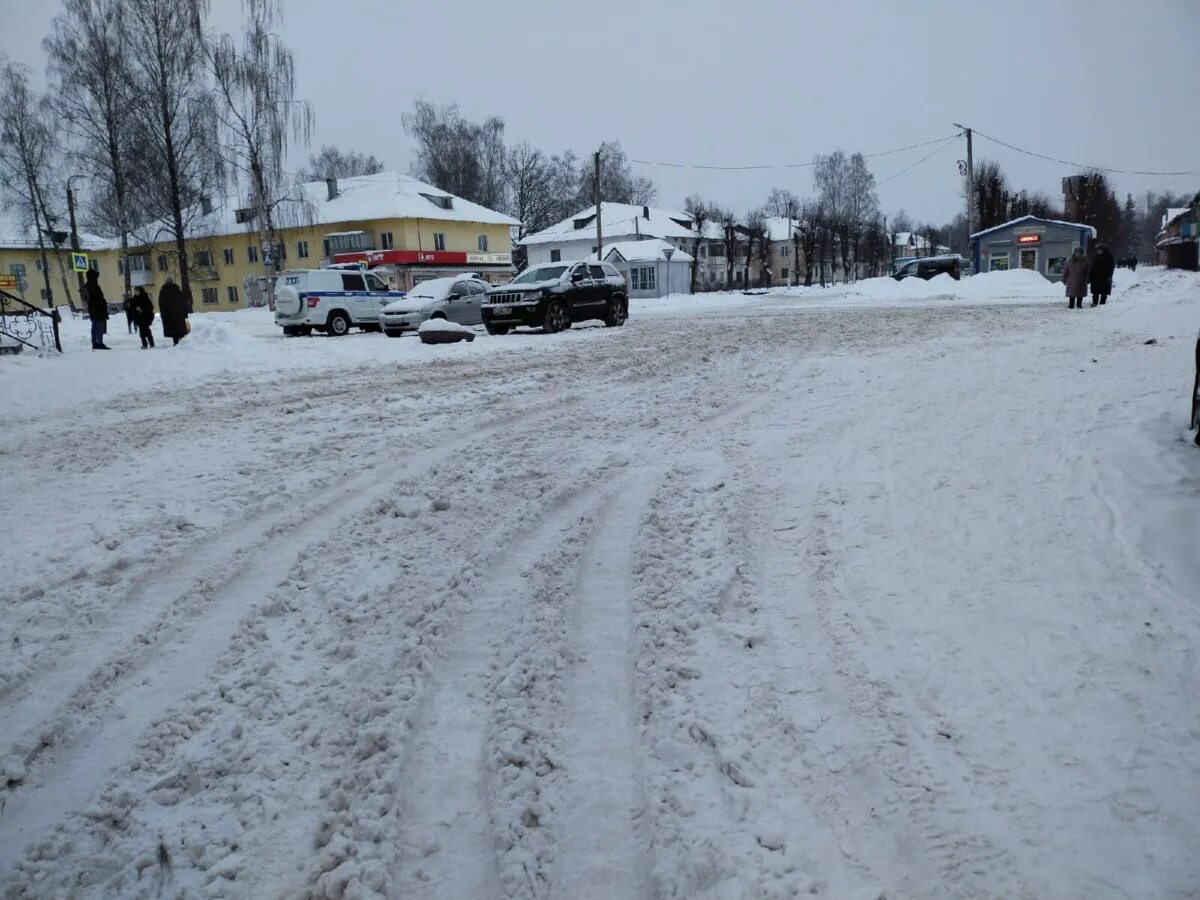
414	229
21	265
408	228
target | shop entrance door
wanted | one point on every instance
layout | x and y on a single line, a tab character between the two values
1029	259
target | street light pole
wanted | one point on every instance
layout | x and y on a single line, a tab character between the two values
74	230
970	183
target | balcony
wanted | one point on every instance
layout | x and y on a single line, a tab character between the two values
203	273
141	278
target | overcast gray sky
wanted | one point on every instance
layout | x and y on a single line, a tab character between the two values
756	81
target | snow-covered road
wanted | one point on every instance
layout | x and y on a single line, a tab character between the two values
855	601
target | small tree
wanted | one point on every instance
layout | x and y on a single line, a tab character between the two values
465	158
756	233
27	146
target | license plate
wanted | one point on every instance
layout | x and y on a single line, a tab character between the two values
502	311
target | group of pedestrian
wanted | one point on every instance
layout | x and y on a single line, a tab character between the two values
1080	274
173	310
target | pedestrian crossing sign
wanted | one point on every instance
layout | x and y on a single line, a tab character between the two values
79	262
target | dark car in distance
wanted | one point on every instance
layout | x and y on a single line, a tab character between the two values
930	267
553	296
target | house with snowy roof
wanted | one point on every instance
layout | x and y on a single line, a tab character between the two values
1039	245
1178	244
652	267
575	237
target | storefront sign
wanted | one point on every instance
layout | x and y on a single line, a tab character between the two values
1029	239
1030	229
423	257
8	282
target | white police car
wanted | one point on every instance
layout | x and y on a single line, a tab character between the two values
330	300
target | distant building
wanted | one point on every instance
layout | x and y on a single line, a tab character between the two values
575	238
652	267
1178	245
1039	245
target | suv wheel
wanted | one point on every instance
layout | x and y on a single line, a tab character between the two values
618	312
339	324
556	317
495	329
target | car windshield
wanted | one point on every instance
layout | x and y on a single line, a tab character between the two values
430	290
541	273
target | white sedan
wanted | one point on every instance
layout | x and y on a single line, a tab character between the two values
455	299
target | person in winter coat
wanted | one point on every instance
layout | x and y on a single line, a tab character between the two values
143	315
1101	274
1075	277
172	308
97	307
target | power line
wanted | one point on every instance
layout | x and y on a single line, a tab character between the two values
1076	165
936	151
673	165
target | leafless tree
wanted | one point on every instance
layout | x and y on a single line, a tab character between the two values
27	148
174	162
812	227
464	158
701	212
618	184
729	231
756	234
862	208
92	94
540	188
333	162
258	116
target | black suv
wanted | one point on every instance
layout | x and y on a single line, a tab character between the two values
930	267
554	295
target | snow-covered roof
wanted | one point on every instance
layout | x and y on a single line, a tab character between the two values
618	220
15	235
1034	219
650	250
1174	213
780	229
386	195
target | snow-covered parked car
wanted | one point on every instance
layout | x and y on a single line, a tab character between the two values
330	300
455	299
443	331
554	295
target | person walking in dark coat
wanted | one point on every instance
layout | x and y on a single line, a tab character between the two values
143	315
97	307
1101	274
1075	277
172	308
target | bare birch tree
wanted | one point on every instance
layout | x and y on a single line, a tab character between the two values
701	212
334	162
92	93
173	161
27	147
258	116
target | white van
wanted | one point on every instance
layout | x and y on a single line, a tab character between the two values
330	300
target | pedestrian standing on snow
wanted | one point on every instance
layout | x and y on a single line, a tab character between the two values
1103	266
172	308
130	315
97	307
143	314
1075	277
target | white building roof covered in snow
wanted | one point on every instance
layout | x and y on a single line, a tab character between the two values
617	219
1172	214
1034	219
650	250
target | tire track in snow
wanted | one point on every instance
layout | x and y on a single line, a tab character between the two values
105	715
602	844
447	841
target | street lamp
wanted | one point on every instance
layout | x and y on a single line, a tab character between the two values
74	230
668	253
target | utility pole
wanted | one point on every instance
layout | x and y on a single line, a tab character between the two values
596	197
75	231
970	183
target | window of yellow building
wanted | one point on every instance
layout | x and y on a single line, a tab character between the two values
228	254
208	296
302	249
